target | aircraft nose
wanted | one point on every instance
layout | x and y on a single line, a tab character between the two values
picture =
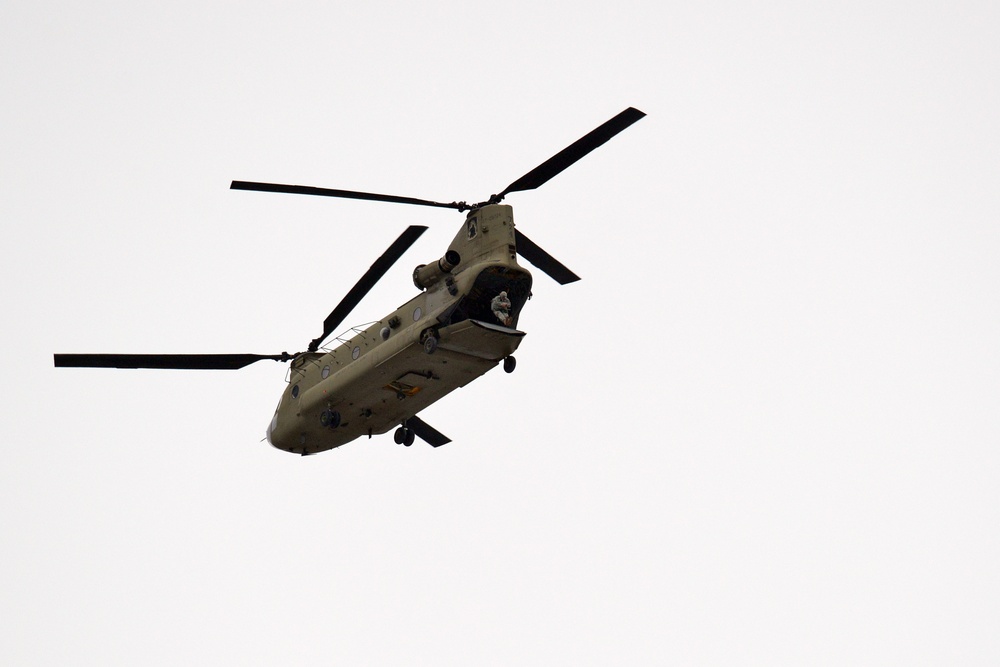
270	427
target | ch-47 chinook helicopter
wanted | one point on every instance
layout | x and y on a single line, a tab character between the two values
462	324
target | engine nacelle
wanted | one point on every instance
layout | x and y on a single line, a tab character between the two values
426	275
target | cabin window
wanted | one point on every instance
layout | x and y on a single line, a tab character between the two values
295	391
355	353
326	372
417	313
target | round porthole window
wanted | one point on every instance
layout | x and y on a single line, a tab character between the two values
417	313
295	391
384	333
326	372
356	352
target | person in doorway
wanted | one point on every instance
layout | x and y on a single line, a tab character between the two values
501	308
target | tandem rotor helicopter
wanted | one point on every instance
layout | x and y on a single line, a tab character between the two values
462	324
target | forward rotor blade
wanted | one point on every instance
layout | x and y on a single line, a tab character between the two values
372	276
179	361
426	432
346	194
532	252
567	156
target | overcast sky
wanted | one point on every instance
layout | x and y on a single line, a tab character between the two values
761	430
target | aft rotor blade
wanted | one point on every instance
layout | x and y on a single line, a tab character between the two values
372	276
567	156
179	361
426	432
346	194
532	252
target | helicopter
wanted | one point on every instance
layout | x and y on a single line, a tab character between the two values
379	376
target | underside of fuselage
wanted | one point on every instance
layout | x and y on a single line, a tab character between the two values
396	389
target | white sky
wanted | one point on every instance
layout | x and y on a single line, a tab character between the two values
762	429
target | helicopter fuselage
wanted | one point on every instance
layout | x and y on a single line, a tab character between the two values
459	327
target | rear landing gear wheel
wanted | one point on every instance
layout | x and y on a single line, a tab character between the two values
509	364
404	436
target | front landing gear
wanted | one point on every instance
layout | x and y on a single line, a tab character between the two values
329	418
404	436
509	364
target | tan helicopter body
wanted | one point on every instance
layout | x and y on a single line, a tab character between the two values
462	324
387	373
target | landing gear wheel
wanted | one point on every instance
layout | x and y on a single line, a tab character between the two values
329	418
399	436
410	437
509	364
430	344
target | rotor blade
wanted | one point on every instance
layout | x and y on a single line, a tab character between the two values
426	432
567	156
180	361
372	276
346	194
532	252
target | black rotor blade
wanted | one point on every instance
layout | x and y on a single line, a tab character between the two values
532	252
426	432
567	156
179	361
346	194
372	276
